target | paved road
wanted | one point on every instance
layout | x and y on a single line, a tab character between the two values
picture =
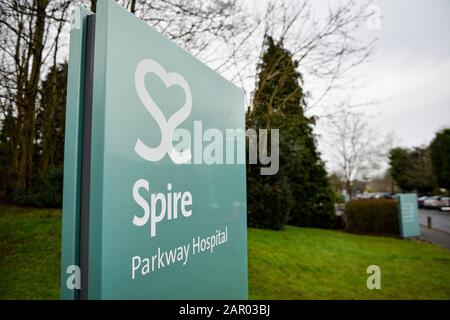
440	224
436	236
439	220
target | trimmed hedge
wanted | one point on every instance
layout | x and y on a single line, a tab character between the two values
372	216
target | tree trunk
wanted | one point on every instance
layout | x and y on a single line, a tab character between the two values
27	121
93	5
133	6
348	187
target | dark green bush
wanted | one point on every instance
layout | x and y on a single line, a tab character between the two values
372	216
47	191
269	202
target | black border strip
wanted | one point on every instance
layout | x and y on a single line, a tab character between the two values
281	309
86	156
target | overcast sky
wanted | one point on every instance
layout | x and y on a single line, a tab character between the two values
410	72
409	75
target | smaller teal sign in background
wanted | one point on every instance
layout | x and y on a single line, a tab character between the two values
408	215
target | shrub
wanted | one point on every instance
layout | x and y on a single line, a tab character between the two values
269	202
46	193
372	216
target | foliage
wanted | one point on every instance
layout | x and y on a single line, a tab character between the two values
372	216
412	169
269	202
440	156
312	195
47	191
6	148
278	103
269	197
50	118
338	197
47	150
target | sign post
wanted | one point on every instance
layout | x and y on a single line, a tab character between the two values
408	215
71	219
155	194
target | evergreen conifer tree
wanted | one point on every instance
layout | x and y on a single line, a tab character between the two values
279	103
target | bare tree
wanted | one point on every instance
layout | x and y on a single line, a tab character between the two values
25	27
228	36
196	25
357	150
325	46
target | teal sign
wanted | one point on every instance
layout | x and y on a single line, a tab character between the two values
408	215
155	187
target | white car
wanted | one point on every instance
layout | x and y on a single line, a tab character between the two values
444	204
432	202
421	200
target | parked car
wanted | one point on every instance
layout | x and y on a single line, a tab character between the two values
432	202
444	204
388	195
365	195
421	200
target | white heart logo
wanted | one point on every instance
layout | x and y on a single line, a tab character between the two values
167	127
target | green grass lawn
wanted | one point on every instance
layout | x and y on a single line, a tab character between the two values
302	263
30	250
296	263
